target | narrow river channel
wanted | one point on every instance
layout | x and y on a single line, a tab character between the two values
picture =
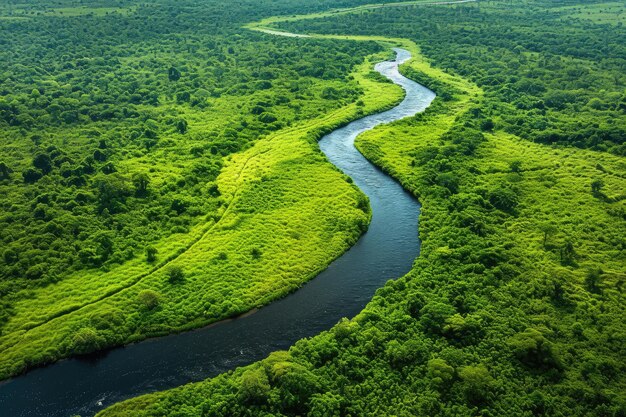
86	385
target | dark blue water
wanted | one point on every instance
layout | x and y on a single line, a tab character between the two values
387	250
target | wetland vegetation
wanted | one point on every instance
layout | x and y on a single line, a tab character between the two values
150	151
159	177
515	305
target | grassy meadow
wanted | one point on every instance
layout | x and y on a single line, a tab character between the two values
515	305
169	197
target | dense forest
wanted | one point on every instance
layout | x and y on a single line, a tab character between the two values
160	171
121	196
515	305
557	80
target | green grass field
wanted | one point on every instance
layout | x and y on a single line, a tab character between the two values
160	172
281	199
514	306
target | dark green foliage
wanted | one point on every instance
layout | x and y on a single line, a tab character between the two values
449	181
36	271
173	74
175	274
325	405
555	80
141	181
330	93
504	197
112	191
596	188
567	252
593	280
96	124
43	162
267	118
182	126
548	229
433	316
151	254
484	324
516	166
487	124
5	171
534	350
489	322
31	175
465	140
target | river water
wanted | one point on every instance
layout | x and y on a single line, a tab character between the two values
84	386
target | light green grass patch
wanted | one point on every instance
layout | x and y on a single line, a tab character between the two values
287	214
602	13
554	185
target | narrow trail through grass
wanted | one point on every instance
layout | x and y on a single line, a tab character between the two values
27	341
466	92
43	334
499	264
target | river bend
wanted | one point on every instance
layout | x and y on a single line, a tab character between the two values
86	385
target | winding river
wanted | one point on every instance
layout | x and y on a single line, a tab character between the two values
86	385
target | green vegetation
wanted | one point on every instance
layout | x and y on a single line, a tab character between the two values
559	81
613	12
159	182
12	10
515	306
